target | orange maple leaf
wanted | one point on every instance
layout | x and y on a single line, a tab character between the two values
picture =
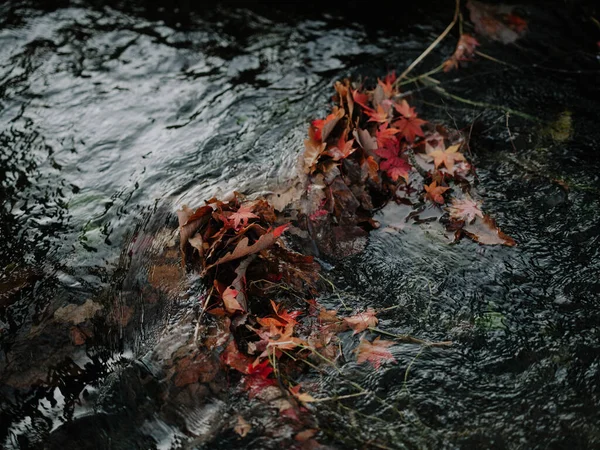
446	157
375	352
362	321
342	149
435	192
409	124
385	135
380	115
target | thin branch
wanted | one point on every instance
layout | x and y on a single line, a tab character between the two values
433	44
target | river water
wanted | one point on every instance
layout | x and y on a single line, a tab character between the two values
112	115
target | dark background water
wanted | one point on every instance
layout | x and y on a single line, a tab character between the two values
113	114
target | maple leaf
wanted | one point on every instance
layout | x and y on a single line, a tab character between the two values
380	115
486	232
394	165
375	352
446	157
242	248
361	98
385	135
283	340
241	216
233	358
362	321
465	209
325	126
342	149
304	398
230	300
283	317
465	49
388	84
435	192
409	124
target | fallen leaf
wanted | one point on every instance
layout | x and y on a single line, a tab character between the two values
375	352
241	216
409	124
394	165
323	127
435	192
303	397
465	49
230	300
242	248
447	157
496	21
362	321
464	209
242	427
77	314
486	232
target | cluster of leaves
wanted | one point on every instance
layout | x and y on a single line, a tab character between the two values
372	149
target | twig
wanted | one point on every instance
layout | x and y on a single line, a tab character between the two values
412	340
514	112
433	44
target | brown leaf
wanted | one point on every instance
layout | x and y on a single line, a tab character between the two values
242	427
230	301
242	248
486	232
77	314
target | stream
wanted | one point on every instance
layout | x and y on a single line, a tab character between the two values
113	114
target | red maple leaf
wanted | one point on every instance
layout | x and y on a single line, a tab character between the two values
386	135
361	98
394	165
375	352
409	124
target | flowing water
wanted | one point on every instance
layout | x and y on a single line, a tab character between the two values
112	115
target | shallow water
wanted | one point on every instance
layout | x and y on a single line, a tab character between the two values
113	115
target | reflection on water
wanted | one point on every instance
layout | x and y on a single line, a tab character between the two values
113	115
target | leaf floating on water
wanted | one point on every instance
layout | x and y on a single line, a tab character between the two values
496	22
465	209
361	321
486	232
375	352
